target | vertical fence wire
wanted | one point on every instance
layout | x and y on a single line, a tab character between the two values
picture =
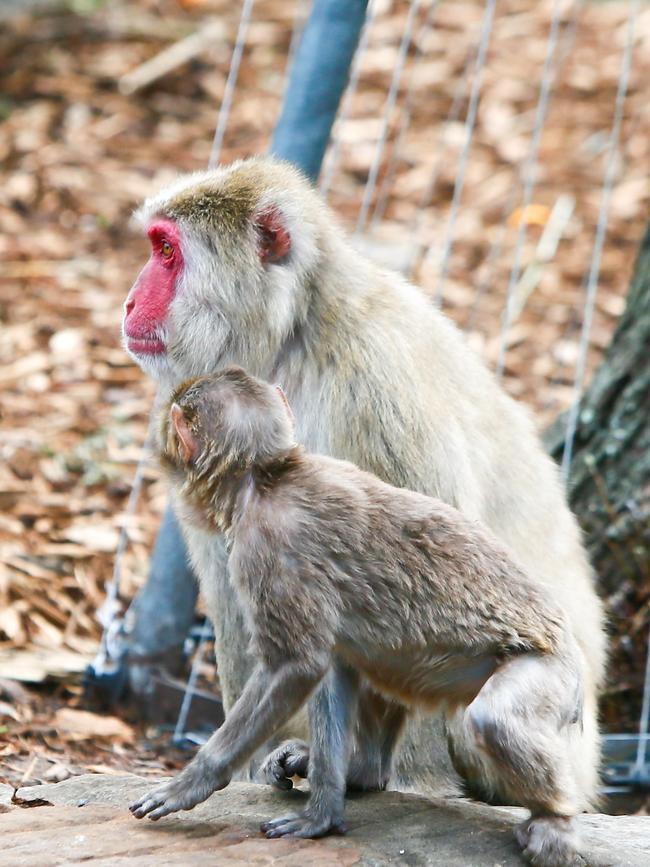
222	123
109	613
231	82
571	331
529	178
405	122
601	229
297	29
418	247
590	303
333	158
567	42
470	125
389	107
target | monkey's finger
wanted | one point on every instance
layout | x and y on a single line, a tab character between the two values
275	775
278	777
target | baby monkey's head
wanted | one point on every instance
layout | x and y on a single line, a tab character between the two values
224	422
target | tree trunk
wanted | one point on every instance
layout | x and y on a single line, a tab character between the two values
609	490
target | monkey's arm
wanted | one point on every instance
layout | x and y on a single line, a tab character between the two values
270	699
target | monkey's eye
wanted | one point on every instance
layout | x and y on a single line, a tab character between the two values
166	249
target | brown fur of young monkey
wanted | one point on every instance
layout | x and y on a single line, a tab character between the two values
249	267
341	575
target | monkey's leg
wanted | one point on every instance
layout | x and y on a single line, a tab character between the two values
522	723
332	711
269	700
379	723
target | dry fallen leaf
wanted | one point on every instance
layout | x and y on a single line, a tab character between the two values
37	664
95	537
83	724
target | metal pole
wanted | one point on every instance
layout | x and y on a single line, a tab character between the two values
318	78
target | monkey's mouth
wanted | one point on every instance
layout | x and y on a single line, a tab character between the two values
145	345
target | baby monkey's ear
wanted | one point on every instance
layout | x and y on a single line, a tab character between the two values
279	390
188	444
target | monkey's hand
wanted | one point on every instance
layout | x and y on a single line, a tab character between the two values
309	823
290	759
194	784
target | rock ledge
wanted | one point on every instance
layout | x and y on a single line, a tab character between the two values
88	823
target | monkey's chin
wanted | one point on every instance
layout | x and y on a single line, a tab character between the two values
155	364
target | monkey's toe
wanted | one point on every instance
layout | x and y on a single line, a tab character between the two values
165	809
274	823
164	800
303	826
549	842
145	805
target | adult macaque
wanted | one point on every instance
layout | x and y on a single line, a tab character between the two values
341	576
249	267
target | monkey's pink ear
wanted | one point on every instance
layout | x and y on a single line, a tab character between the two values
280	391
275	240
188	445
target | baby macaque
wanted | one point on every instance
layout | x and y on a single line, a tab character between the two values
342	578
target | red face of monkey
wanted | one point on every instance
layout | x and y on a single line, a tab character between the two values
187	303
147	304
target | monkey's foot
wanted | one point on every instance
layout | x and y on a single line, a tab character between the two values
304	824
290	759
192	786
549	841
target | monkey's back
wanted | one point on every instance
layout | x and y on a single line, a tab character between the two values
412	403
383	574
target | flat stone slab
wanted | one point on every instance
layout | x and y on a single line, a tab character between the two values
87	821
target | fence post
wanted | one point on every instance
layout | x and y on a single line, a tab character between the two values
317	81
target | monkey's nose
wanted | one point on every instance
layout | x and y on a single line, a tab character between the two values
129	306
